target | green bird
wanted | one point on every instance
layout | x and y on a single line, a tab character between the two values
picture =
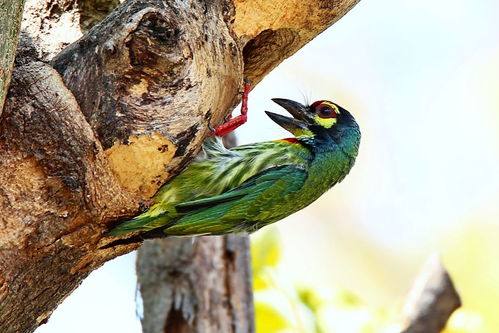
248	187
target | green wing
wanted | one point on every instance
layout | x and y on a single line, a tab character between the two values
257	201
227	169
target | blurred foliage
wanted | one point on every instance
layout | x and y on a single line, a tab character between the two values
265	255
271	319
284	306
469	254
463	321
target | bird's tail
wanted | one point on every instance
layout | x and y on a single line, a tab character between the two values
139	223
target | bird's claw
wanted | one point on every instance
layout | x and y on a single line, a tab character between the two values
247	85
230	123
211	128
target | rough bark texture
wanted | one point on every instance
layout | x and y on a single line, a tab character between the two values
10	21
89	133
432	300
157	80
198	284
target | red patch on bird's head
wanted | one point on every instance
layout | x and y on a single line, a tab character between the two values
291	140
314	104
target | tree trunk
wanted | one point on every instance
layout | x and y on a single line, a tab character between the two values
11	13
90	131
200	284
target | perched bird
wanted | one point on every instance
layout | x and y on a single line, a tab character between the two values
248	187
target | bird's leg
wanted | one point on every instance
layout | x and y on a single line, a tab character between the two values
230	123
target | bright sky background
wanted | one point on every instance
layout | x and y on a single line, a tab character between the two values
422	79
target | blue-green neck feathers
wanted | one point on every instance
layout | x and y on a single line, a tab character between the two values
343	136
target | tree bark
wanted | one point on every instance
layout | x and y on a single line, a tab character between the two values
11	13
200	284
89	133
432	299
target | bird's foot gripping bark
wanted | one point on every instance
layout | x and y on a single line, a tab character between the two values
230	123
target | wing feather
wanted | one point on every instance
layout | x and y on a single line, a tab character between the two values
243	206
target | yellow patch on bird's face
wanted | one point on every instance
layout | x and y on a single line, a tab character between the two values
325	122
300	132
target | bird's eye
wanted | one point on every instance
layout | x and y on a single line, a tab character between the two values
326	111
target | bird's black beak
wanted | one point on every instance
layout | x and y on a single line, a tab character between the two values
301	116
297	110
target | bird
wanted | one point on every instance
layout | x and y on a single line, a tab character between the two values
245	188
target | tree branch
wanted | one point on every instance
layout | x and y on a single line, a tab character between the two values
275	30
432	299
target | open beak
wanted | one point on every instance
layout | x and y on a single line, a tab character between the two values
301	116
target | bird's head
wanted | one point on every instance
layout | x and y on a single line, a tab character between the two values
319	120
